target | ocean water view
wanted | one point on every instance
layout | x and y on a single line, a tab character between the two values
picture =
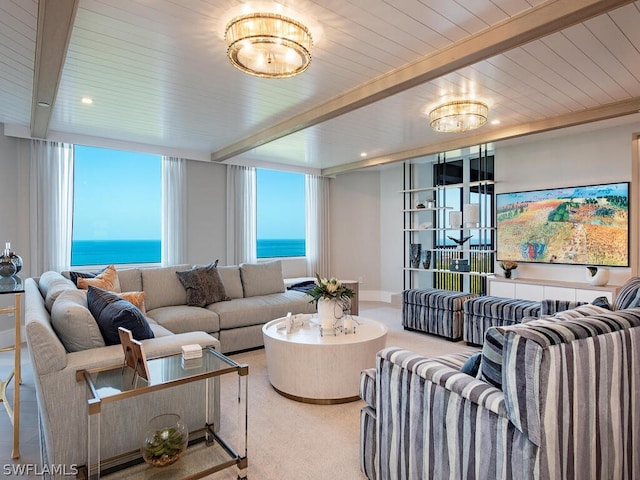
105	252
281	247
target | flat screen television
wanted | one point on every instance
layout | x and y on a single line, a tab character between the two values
585	225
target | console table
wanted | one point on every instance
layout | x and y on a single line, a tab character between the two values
203	458
13	285
535	289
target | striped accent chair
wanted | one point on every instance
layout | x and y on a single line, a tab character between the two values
564	407
435	311
487	311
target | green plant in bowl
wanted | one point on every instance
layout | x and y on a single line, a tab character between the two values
163	445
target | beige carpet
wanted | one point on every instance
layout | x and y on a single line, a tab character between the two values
289	440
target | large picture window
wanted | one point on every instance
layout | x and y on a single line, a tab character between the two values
117	207
280	214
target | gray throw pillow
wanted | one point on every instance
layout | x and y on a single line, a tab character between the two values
203	285
262	278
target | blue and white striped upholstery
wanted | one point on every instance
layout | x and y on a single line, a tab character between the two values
549	307
567	408
434	311
487	311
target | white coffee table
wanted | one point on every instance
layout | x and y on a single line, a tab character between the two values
307	367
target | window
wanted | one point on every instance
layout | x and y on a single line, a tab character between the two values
280	214
117	207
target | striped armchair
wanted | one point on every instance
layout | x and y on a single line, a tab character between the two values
552	400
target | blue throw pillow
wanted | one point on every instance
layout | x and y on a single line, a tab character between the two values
112	311
602	302
472	365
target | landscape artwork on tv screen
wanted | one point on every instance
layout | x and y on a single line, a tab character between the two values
586	225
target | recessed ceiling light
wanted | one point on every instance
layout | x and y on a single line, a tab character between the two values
87	100
363	154
495	122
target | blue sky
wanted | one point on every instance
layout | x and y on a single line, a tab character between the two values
118	197
281	210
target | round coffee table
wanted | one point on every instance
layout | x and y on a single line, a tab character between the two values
307	367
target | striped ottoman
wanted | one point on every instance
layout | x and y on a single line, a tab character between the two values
434	311
483	312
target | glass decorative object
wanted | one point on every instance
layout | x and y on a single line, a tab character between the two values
415	252
7	265
15	258
165	439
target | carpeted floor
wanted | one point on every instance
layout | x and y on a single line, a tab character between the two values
289	440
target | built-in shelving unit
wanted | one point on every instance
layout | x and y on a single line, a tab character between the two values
435	211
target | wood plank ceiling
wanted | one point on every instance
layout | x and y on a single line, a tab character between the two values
158	75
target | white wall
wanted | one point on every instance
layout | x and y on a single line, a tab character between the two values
601	156
355	230
206	220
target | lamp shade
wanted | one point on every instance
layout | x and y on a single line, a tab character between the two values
471	214
455	219
268	45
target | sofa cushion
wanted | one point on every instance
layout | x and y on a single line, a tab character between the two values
106	280
162	287
130	280
51	285
627	294
112	311
183	318
75	326
203	285
232	282
261	278
244	312
74	276
492	349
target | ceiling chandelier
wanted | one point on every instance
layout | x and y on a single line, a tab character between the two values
458	116
268	45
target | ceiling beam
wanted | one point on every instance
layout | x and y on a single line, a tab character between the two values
539	21
55	22
612	110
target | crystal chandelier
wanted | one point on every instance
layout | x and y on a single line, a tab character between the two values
268	45
458	116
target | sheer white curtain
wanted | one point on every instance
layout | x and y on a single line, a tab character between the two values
50	205
241	215
174	211
317	234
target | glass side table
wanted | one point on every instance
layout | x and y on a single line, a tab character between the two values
201	458
13	285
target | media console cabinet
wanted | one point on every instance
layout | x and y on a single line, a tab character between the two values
538	289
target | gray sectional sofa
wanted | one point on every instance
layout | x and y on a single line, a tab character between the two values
63	338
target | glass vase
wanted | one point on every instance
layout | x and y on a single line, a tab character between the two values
165	439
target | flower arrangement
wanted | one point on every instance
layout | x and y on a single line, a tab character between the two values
507	266
329	289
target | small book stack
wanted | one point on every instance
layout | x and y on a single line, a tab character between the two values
191	351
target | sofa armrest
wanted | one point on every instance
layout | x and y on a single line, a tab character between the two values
444	371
